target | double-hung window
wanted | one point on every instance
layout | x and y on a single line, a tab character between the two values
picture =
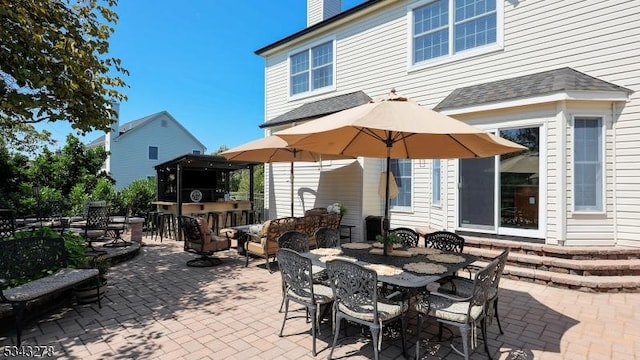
588	162
312	69
401	170
153	153
436	182
446	27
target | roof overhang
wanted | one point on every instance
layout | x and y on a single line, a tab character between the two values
606	96
205	162
323	26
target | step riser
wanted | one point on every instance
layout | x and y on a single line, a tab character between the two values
585	269
602	271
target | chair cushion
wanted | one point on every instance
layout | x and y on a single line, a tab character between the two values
386	310
464	287
265	228
447	309
215	243
323	294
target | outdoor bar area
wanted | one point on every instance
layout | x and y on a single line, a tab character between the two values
200	184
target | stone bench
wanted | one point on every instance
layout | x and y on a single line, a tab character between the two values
30	257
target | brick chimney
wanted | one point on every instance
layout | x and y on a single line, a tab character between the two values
319	10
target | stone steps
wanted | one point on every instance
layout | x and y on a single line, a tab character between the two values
596	269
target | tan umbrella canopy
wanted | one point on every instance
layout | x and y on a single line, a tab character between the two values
395	128
274	149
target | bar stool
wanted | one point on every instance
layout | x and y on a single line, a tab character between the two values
167	223
232	217
245	215
215	223
151	222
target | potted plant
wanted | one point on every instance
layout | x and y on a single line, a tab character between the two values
337	208
392	239
88	292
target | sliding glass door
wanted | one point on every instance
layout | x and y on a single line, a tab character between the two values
502	194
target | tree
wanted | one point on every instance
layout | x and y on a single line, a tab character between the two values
222	148
54	66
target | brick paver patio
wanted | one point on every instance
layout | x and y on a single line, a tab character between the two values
158	308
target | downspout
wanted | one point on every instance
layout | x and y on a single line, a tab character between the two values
615	172
561	176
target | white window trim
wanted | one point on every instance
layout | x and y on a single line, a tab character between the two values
407	209
435	203
157	152
452	56
198	150
315	92
603	154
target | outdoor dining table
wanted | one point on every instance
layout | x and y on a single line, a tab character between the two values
406	278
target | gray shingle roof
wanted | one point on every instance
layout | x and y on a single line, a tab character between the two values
126	127
320	108
543	83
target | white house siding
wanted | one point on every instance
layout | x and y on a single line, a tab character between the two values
130	161
599	38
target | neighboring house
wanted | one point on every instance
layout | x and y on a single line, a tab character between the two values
561	77
138	146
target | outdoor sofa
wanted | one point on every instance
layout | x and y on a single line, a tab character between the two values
263	241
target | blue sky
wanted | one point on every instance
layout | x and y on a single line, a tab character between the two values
196	60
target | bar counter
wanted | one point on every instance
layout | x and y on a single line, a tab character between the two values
203	207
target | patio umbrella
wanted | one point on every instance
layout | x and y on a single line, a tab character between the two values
395	128
274	149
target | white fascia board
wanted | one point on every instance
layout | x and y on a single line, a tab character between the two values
610	96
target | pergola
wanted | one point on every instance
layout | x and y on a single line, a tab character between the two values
208	174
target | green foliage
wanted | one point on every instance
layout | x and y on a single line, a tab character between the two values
77	198
55	67
139	195
99	262
242	180
104	190
392	238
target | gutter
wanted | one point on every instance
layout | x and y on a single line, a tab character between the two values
321	25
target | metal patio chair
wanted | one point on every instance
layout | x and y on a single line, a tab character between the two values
327	238
407	237
464	287
461	312
299	287
355	292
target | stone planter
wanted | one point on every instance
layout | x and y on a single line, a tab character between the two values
87	293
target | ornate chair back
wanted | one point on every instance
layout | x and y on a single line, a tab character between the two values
97	218
327	238
445	241
295	270
7	223
501	263
407	237
294	240
355	288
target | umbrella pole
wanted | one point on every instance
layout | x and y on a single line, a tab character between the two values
291	180
385	221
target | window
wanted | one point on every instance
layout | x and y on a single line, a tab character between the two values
311	69
588	183
153	153
435	182
401	170
196	152
446	27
